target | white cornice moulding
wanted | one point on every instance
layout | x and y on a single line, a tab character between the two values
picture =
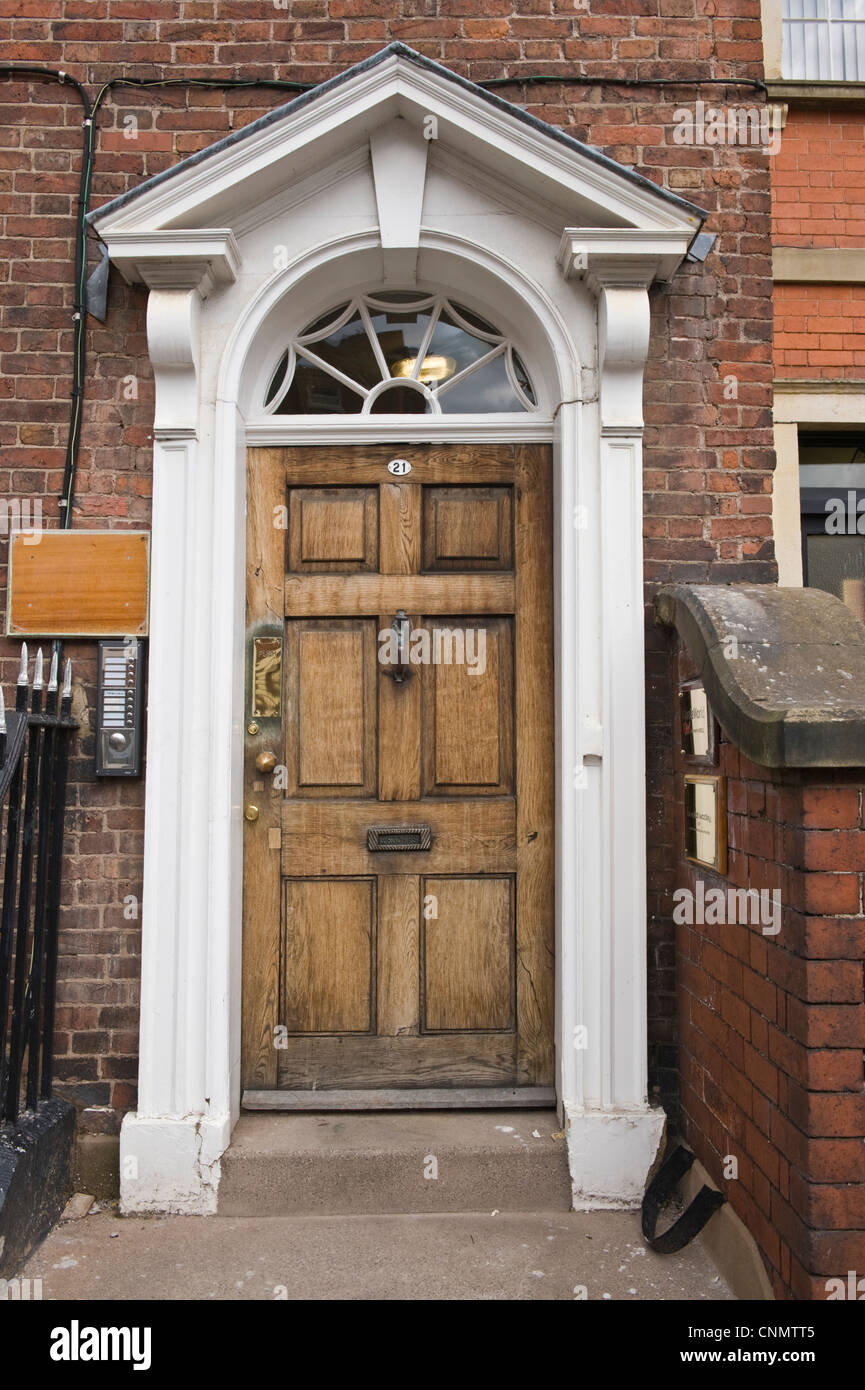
180	259
275	154
622	255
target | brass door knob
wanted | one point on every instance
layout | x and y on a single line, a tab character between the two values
250	812
265	762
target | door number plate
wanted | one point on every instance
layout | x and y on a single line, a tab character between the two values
399	467
398	837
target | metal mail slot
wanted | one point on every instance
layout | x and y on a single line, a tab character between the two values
403	838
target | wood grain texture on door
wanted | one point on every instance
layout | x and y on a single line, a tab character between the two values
367	968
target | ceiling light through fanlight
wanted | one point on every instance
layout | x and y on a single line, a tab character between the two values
432	368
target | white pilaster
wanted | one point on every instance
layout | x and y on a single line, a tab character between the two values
613	1133
170	1147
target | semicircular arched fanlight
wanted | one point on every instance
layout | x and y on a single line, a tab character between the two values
399	352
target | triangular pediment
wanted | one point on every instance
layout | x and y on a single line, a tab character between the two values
405	114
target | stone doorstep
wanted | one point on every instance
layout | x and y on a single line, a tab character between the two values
395	1162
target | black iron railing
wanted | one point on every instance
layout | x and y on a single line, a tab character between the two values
34	750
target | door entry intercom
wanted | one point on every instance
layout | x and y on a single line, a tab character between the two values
120	705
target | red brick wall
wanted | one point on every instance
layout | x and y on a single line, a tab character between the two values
818	179
820	331
708	449
772	1027
818	200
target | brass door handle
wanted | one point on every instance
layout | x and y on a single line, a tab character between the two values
265	762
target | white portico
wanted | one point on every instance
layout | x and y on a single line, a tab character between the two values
396	174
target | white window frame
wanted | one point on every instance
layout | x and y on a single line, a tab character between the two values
303	345
819	25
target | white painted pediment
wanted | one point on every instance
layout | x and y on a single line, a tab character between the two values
400	116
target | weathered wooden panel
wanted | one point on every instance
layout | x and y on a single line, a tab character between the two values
262	885
455	464
328	952
330	594
330	708
468	528
398	955
483	1059
468	737
468	954
470	836
535	763
399	730
400	511
332	529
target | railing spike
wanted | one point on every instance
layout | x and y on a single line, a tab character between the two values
22	670
67	681
2	712
52	673
39	671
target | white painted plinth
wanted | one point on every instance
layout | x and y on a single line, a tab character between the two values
171	1165
610	1155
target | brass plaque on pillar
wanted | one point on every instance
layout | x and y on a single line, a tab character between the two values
78	584
706	821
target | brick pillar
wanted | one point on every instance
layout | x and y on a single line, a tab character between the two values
772	1026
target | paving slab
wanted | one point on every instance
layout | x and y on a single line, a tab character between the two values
461	1256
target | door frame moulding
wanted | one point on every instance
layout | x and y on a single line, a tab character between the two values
589	342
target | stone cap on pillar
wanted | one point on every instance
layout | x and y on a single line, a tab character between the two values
784	669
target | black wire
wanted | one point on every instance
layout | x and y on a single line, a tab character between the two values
539	79
79	313
79	350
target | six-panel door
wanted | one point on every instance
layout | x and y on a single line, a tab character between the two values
401	967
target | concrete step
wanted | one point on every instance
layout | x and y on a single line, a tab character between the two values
458	1255
395	1162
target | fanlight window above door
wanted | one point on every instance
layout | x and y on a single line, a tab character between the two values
397	354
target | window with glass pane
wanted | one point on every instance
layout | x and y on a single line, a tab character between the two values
398	353
832	491
824	40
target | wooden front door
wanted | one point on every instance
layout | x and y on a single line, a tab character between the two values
371	962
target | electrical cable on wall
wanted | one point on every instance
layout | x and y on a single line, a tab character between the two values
79	313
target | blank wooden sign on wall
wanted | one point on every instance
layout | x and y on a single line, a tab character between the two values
78	584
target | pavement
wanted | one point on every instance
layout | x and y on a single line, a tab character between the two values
552	1255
